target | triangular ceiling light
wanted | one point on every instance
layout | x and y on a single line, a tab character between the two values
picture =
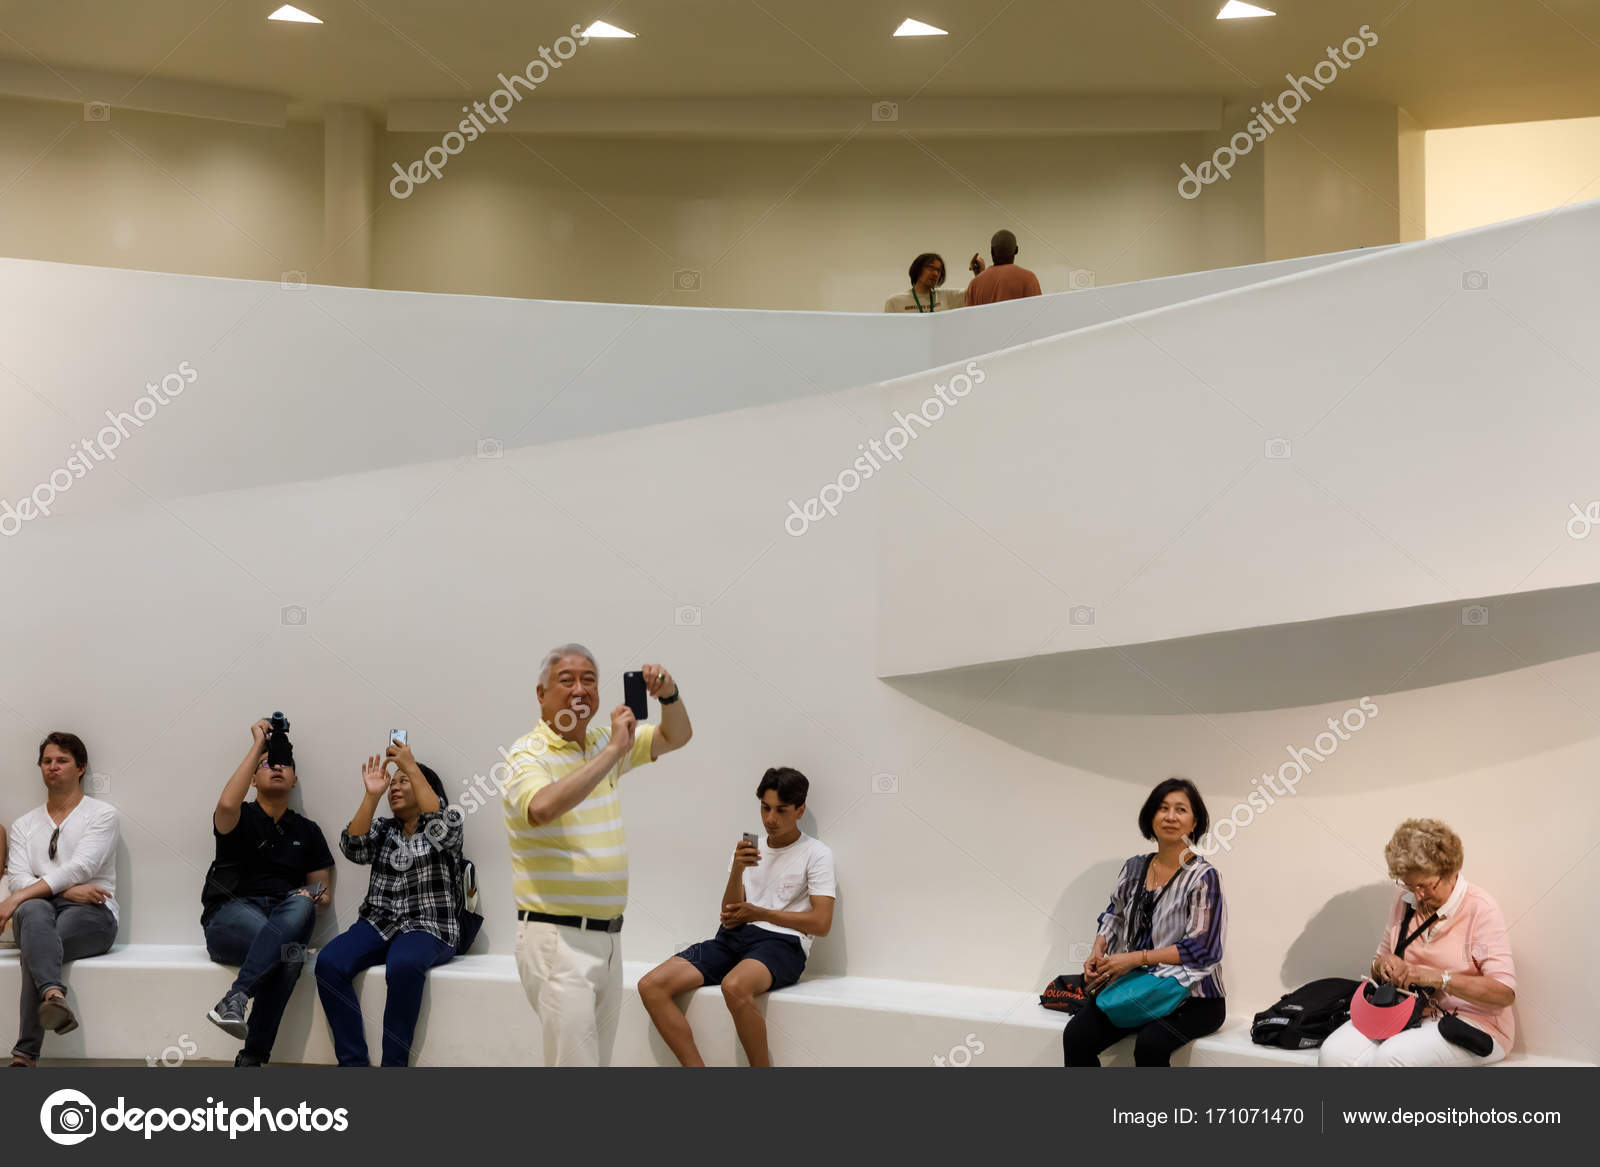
1239	10
601	28
290	12
909	27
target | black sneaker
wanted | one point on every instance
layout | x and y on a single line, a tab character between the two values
228	1015
243	1059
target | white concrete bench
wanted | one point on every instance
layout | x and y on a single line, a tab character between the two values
143	1001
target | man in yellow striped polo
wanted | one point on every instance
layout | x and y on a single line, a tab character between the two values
569	856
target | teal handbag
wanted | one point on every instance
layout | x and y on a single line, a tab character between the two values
1131	1000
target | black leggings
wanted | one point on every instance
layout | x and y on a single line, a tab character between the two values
1091	1032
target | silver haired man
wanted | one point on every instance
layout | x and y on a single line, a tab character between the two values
569	856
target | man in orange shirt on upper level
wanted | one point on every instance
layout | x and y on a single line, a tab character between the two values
1005	280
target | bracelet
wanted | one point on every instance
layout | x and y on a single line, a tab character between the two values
677	691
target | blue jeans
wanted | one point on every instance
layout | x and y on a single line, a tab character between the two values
267	939
407	959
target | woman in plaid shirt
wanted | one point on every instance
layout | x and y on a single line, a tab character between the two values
410	919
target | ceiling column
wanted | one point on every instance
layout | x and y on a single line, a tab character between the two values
347	197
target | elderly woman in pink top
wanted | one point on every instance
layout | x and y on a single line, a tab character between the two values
1455	944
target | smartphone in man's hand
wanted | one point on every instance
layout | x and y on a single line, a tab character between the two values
635	696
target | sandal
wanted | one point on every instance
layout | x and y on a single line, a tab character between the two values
55	1016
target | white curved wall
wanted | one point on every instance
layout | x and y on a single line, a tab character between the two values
1435	433
307	466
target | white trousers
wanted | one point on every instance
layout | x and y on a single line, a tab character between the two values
573	978
1422	1046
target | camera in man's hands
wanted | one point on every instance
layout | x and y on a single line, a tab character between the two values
279	751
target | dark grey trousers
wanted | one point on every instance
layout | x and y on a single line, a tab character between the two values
48	933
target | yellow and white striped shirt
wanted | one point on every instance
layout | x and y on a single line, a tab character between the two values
578	864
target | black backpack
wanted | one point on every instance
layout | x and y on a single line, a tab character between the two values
1304	1018
471	920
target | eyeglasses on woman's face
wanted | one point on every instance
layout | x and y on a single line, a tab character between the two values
1423	890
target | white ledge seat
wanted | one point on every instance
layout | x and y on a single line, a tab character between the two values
144	1001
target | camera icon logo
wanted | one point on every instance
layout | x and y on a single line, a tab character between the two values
490	448
1277	449
686	616
1080	278
293	281
1081	615
1080	952
97	784
1474	281
294	616
292	954
886	111
68	1117
1475	616
96	111
885	784
686	280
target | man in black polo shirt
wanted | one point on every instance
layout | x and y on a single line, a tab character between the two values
260	900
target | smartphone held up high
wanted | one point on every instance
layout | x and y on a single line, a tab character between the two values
635	695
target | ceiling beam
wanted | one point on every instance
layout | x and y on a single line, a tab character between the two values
38	82
762	117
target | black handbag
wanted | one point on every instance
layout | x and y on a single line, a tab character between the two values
1066	994
1466	1035
467	914
221	885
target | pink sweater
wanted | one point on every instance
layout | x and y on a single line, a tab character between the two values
1470	938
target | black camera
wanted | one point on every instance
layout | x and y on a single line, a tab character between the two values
279	751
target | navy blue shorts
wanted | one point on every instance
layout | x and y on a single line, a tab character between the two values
780	952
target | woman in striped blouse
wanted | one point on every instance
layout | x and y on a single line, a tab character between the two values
1166	914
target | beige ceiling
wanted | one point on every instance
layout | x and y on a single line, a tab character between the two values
1449	62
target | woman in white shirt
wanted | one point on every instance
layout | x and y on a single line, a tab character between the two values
927	273
62	870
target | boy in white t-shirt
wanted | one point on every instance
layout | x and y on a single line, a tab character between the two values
779	896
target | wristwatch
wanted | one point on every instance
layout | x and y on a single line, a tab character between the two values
677	691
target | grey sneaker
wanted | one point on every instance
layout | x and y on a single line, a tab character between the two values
228	1015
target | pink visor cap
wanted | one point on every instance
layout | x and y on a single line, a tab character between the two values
1381	1011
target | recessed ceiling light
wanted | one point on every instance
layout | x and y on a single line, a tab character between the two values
290	12
1239	10
601	28
909	27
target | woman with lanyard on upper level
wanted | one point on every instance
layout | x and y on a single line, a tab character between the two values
927	273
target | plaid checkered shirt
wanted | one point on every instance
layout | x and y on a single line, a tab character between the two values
414	885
